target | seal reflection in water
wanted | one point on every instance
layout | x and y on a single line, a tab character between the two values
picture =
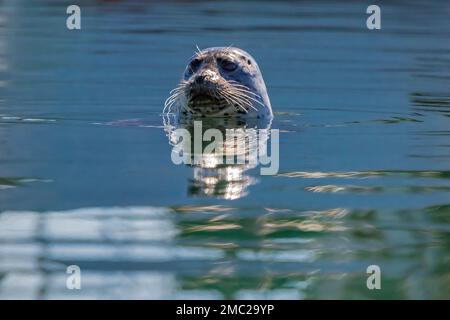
213	175
224	88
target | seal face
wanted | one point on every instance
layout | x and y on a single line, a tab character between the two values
221	82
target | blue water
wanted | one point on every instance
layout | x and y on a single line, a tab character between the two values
86	176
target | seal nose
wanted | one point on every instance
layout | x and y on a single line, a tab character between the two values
206	76
200	79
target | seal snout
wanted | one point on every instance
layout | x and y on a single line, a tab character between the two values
204	87
205	77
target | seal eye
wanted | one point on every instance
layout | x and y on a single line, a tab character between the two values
227	64
193	66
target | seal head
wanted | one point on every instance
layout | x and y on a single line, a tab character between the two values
221	82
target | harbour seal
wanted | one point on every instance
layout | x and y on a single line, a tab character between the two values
220	82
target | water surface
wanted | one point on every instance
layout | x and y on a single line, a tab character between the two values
86	176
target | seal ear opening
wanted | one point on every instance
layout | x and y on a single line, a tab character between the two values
249	62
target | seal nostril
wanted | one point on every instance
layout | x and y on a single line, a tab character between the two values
200	79
205	77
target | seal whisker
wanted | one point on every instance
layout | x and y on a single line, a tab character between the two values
229	47
236	83
246	92
199	51
251	98
170	101
234	101
246	98
181	85
174	95
176	90
243	88
258	102
168	106
228	99
243	100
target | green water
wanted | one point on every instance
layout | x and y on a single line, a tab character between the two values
86	176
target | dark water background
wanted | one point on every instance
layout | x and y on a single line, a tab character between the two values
86	176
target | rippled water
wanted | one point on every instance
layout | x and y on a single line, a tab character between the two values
86	176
